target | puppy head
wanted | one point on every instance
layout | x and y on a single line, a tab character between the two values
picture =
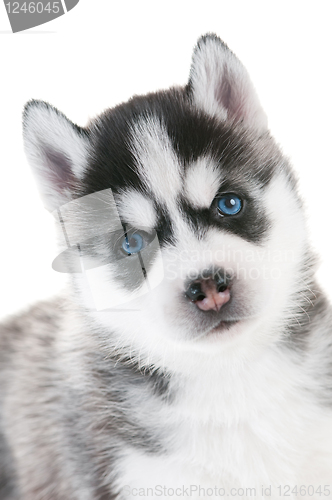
179	216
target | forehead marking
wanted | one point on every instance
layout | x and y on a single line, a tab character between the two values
160	170
202	182
156	159
136	209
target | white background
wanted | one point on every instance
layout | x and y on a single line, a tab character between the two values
103	51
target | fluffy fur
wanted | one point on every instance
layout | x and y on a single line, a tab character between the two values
125	387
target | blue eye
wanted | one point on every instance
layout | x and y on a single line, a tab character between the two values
132	243
229	204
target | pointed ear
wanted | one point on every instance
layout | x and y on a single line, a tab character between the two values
221	86
57	151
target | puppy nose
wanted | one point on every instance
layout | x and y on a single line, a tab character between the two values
209	293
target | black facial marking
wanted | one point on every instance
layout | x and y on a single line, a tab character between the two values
164	227
243	157
251	223
193	134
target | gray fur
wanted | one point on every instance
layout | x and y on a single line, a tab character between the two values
65	433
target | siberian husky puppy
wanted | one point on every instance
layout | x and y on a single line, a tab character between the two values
192	353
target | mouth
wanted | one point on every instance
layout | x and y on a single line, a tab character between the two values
222	326
222	330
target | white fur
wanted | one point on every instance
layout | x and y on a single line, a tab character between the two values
268	295
260	430
136	209
202	182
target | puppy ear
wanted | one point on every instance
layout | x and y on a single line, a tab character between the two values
221	86
57	151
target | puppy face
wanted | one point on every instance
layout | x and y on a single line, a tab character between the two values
181	218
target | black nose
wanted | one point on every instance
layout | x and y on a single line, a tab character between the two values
195	292
209	291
